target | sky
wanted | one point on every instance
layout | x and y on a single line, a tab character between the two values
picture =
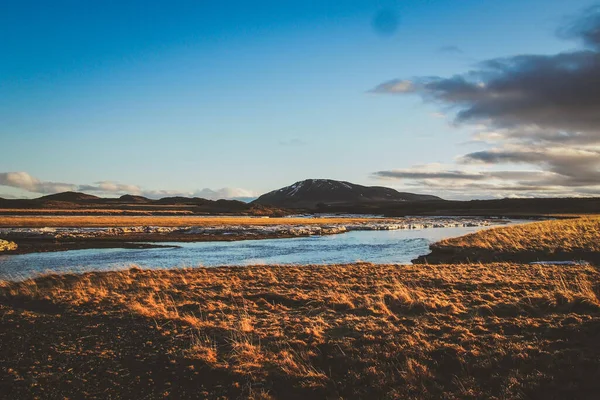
230	99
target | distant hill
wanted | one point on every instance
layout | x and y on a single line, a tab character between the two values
183	200
85	204
488	208
312	192
129	198
69	196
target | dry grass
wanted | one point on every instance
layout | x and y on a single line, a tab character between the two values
94	211
127	221
6	245
350	331
565	239
563	235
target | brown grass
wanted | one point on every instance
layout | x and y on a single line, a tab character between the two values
126	221
94	211
564	239
348	331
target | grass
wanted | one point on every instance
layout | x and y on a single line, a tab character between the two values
563	239
547	236
93	211
7	245
82	221
347	331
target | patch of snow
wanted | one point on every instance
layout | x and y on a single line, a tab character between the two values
295	188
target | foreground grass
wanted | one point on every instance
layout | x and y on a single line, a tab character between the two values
348	331
564	239
89	221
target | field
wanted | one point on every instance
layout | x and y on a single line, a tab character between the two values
548	236
86	221
347	331
505	330
91	211
563	239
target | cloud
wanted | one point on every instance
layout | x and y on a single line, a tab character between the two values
416	174
110	187
22	180
225	193
585	27
26	182
435	179
395	86
537	110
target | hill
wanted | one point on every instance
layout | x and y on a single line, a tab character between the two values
69	196
311	192
130	198
74	203
495	207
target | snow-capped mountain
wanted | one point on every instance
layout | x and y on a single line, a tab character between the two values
310	192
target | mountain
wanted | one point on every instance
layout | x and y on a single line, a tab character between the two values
69	196
310	192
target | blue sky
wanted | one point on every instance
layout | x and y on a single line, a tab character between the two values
178	96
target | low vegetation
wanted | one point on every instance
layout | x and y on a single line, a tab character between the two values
90	211
6	245
553	236
562	239
83	221
503	331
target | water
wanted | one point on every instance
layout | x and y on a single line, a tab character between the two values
399	246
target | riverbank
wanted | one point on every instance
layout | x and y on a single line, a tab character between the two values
59	234
571	239
271	332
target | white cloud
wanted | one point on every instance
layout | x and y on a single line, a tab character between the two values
22	180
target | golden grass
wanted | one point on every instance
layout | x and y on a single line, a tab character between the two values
6	245
168	221
82	210
345	331
565	235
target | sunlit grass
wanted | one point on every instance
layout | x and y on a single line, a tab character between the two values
472	330
170	221
564	235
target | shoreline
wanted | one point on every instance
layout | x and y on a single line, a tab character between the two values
34	240
466	256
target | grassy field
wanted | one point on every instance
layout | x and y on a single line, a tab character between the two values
547	236
89	211
562	239
504	331
127	221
